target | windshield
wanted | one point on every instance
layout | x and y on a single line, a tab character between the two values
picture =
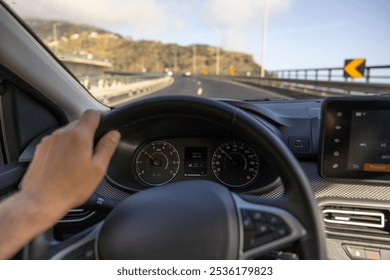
247	50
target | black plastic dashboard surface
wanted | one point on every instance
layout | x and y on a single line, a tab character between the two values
301	119
286	118
323	189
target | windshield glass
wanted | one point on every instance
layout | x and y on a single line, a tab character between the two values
247	50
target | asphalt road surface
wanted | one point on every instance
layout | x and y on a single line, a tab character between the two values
215	88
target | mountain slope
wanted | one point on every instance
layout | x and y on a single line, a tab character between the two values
127	54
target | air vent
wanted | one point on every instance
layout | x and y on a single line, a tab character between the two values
77	215
355	218
364	222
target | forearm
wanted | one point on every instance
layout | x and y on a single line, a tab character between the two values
21	219
64	172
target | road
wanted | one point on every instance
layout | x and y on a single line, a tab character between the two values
213	88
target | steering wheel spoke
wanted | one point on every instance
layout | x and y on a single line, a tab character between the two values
79	246
265	228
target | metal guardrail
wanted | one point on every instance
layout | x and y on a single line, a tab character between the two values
317	87
330	74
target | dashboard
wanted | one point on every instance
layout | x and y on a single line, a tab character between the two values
355	210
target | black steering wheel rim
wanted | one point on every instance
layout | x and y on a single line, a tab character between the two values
298	198
296	208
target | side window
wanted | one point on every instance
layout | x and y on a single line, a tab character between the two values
24	115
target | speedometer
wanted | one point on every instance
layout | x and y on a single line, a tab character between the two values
235	164
157	163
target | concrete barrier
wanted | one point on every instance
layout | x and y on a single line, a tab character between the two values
120	93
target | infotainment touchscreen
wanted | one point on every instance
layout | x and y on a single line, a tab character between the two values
355	138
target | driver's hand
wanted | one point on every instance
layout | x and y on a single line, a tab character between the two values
67	168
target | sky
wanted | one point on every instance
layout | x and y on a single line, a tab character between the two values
300	34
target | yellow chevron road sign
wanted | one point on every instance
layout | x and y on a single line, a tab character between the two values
354	68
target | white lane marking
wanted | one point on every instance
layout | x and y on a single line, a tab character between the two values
199	83
264	91
200	91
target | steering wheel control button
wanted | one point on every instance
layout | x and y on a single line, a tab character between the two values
275	220
258	216
267	228
262	229
247	221
281	230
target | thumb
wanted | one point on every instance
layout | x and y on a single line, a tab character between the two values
105	148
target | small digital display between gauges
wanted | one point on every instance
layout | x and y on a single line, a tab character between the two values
195	161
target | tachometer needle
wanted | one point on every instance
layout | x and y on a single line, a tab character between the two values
155	162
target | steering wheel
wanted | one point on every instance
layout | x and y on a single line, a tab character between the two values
201	219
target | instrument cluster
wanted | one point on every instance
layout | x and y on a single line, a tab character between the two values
234	163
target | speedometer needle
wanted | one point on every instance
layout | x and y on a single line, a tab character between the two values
223	151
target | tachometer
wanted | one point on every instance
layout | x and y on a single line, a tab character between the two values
235	164
157	163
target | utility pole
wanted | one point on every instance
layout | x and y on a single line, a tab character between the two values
217	50
175	61
264	41
194	59
55	39
157	62
217	62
